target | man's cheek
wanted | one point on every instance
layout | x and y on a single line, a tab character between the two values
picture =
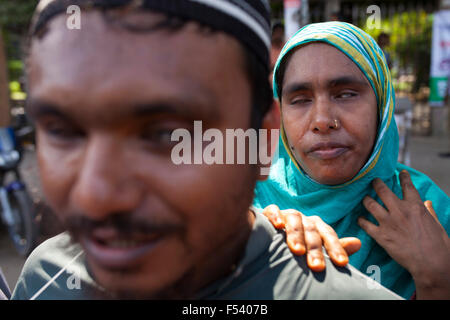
56	178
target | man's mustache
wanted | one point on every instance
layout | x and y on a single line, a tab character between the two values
125	224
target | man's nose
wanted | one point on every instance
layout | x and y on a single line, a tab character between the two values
104	184
323	116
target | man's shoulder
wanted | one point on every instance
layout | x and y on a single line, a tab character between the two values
52	265
276	273
54	252
333	283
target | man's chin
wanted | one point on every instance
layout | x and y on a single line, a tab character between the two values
131	294
124	283
136	284
139	293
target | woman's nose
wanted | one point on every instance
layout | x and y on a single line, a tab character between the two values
324	118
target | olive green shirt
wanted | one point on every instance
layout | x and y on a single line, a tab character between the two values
268	270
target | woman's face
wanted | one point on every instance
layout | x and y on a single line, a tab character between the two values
329	113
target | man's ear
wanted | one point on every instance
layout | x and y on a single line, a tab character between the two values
268	143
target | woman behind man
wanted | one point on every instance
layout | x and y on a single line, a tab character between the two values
338	160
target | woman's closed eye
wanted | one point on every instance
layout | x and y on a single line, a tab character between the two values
301	100
346	95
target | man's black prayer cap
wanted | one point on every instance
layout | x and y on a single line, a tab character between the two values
246	20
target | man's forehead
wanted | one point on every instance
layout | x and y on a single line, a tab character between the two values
100	32
114	49
248	24
98	65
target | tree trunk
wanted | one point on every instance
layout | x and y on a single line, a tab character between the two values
4	87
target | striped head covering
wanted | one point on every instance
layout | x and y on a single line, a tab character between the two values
246	20
289	186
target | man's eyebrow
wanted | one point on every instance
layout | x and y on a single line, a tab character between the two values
38	108
149	109
181	108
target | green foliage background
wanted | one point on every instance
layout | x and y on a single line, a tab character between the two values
15	16
410	46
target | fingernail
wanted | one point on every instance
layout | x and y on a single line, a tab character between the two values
298	248
341	258
315	262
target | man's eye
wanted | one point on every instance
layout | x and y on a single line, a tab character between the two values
61	130
160	136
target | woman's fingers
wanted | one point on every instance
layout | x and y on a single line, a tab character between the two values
369	227
410	192
376	209
350	245
313	240
308	235
386	195
429	205
295	236
331	242
291	221
273	213
303	236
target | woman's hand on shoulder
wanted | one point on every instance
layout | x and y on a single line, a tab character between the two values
307	235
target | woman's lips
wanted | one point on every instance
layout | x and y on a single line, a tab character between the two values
327	150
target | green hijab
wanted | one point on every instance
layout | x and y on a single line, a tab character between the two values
289	186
